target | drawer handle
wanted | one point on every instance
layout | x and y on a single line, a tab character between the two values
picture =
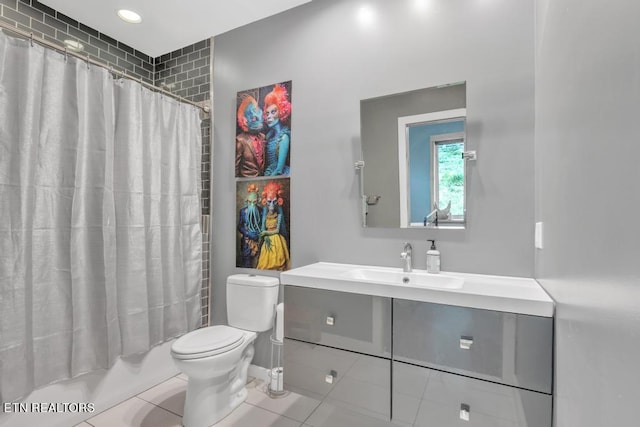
330	377
330	320
466	343
465	412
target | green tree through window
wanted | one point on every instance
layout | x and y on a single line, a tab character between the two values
451	176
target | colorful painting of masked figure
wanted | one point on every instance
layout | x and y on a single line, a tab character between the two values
277	115
274	236
249	227
250	139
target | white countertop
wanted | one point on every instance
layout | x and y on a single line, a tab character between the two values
501	293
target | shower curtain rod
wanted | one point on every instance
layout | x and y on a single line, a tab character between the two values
88	60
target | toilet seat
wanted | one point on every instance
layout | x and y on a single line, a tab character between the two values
207	342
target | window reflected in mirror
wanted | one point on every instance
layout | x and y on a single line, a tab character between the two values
431	169
448	175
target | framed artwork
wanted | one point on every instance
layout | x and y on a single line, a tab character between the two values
263	226
263	131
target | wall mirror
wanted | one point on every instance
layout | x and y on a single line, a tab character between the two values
413	150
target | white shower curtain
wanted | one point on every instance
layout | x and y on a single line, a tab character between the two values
100	244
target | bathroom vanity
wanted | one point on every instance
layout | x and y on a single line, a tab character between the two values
420	349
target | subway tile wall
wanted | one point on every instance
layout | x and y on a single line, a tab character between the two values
185	72
44	22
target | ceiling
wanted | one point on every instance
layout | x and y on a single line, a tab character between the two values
168	25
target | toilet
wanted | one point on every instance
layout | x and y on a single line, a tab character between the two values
216	358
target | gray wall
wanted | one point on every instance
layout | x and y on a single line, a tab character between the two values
587	151
335	62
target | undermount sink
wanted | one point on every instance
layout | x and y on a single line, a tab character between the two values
415	278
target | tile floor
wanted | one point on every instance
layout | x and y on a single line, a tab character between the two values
162	406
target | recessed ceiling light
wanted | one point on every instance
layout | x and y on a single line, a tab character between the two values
129	16
366	15
74	45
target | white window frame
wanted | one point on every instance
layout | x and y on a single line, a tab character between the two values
403	154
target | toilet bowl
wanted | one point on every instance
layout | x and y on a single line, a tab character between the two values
216	358
217	372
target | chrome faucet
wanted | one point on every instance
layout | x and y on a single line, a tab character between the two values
406	256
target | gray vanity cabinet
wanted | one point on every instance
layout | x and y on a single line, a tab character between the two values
456	350
337	348
417	363
429	398
343	320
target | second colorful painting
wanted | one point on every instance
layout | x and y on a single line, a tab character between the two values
263	224
263	131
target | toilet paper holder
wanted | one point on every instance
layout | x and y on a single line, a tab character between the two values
275	387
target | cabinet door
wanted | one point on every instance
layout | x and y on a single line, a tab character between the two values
502	347
348	321
354	381
426	398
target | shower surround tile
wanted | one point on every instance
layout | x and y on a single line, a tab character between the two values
45	22
180	71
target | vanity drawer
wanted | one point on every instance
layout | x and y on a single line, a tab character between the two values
507	348
344	320
351	380
454	400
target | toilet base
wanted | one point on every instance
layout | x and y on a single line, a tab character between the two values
209	400
207	403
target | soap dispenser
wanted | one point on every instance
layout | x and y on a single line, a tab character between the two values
433	258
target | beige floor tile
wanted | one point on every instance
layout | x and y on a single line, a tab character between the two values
291	405
135	412
330	415
83	424
247	415
368	398
169	395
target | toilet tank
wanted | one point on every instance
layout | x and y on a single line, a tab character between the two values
251	300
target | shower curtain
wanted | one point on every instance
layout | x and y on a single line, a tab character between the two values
100	244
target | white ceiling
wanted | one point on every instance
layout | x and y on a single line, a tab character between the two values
168	25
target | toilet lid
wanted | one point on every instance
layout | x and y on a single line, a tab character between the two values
208	341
